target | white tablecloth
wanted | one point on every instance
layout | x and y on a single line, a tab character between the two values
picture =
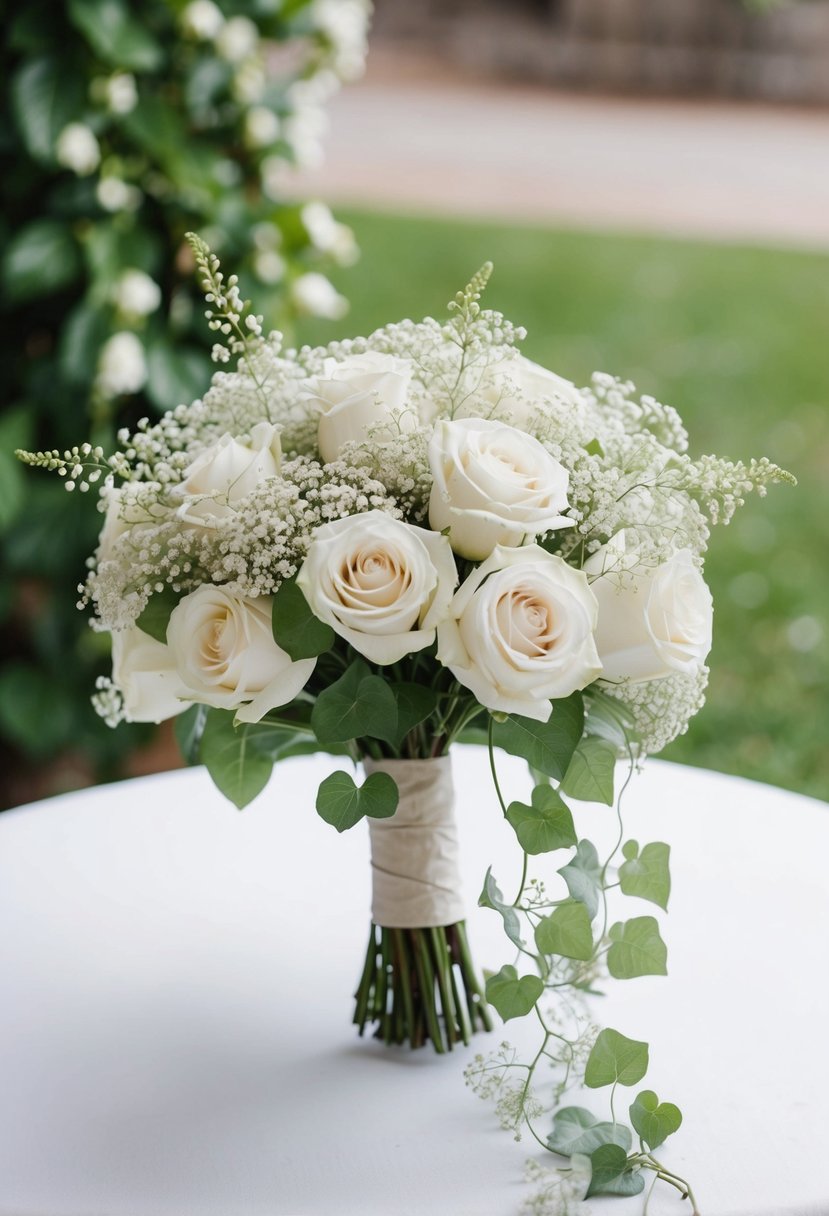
175	996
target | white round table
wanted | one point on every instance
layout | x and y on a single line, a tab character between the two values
175	1002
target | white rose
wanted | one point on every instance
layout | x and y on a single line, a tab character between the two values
653	620
146	674
520	632
226	472
123	513
317	296
226	656
493	485
361	393
381	584
136	294
122	365
78	149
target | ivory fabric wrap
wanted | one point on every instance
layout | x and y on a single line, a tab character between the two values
414	854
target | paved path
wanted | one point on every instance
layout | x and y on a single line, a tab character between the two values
405	139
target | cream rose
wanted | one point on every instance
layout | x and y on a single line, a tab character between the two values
653	620
361	393
520	632
226	656
226	472
493	485
145	672
381	584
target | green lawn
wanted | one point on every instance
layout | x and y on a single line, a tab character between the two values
736	338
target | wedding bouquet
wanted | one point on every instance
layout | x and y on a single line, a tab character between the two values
393	543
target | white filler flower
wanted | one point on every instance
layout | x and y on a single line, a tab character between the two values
381	584
122	365
360	394
136	294
77	149
317	296
653	620
493	485
202	19
226	472
520	632
226	656
145	672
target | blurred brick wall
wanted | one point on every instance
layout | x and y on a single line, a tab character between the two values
715	48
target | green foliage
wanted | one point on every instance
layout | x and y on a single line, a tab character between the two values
236	756
544	826
358	705
295	628
646	874
156	616
415	703
576	1130
491	897
513	996
164	124
566	932
547	746
342	803
654	1121
615	1059
613	1174
636	949
589	776
189	728
583	875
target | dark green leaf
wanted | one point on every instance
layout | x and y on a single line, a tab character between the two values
342	803
236	766
34	712
583	875
613	1058
513	997
189	728
548	746
589	776
636	949
175	374
546	825
646	874
610	719
295	628
40	259
156	616
576	1130
46	97
355	706
83	334
566	932
415	702
115	35
491	897
612	1174
653	1120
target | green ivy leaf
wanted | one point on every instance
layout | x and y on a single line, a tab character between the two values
46	96
512	996
547	746
357	705
546	825
238	768
40	259
415	703
576	1130
156	616
189	728
610	719
115	35
342	803
613	1058
653	1120
566	932
636	949
646	874
491	897
613	1174
589	775
583	875
295	628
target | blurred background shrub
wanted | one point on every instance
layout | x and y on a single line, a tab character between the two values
126	123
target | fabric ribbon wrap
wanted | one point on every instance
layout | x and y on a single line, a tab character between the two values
414	855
